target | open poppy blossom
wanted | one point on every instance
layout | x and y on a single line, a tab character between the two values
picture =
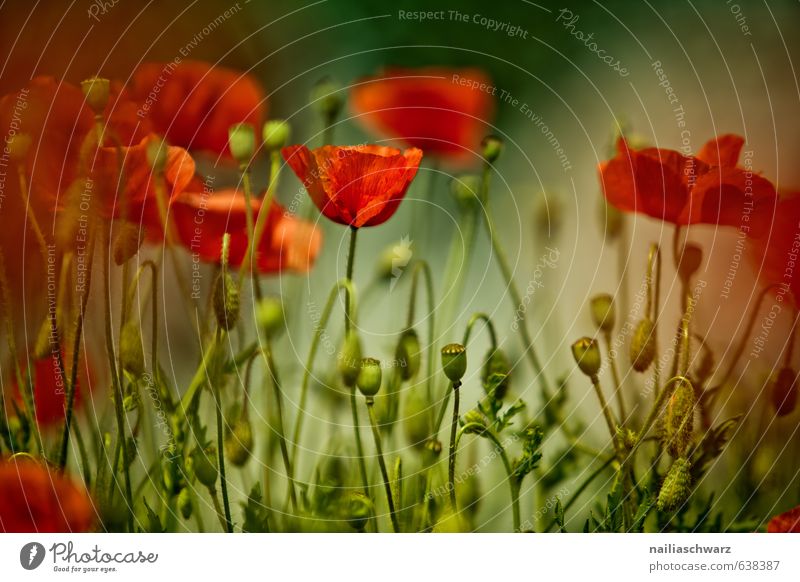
34	499
705	189
194	103
788	522
202	219
355	185
442	111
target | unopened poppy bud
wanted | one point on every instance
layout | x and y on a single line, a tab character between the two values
18	147
242	142
466	190
676	487
643	345
474	417
131	353
128	240
156	152
679	418
326	95
369	377
276	134
357	509
492	148
603	313
612	218
586	352
454	362
416	418
226	301
269	315
96	90
690	260
239	442
433	448
204	464
784	392
185	505
349	363
498	365
408	354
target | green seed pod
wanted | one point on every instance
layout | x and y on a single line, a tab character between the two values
783	393
497	362
416	418
643	345
466	190
603	313
276	134
369	377
492	148
18	147
349	363
676	487
270	316
131	353
326	94
96	91
226	301
204	464
679	418
408	354
356	509
242	142
239	442
586	352
185	504
454	362
128	240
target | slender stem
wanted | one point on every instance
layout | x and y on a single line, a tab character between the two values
221	445
451	465
582	487
615	374
359	446
261	219
665	393
351	255
612	428
386	483
276	387
425	268
654	303
223	520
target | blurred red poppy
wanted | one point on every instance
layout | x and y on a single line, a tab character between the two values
445	112
355	185
788	522
35	499
774	250
705	189
202	218
194	103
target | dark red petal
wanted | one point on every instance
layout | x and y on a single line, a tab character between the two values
722	151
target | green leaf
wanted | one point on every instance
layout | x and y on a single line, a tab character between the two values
256	514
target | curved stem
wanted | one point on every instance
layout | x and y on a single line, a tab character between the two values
451	465
134	285
425	268
386	483
612	428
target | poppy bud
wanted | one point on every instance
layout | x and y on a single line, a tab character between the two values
242	142
586	352
408	354
433	448
356	509
369	377
157	155
204	464
18	147
276	134
131	353
603	314
269	315
96	91
643	345
492	148
784	392
497	364
475	416
326	96
226	301
690	260
679	418
416	418
128	240
466	190
349	363
239	442
454	362
185	503
676	487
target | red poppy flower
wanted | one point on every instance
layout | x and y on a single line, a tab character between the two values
194	103
774	251
788	522
355	185
34	499
288	243
444	112
705	189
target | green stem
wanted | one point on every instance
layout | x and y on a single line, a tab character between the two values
612	427
276	386
351	256
425	268
582	487
359	446
451	465
221	445
615	374
386	483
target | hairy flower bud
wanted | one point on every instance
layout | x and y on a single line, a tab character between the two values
492	148
242	142
269	315
369	377
349	363
676	486
408	354
679	418
96	90
643	345
497	364
454	361
131	353
239	442
204	464
226	301
783	392
603	313
586	352
476	417
128	239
